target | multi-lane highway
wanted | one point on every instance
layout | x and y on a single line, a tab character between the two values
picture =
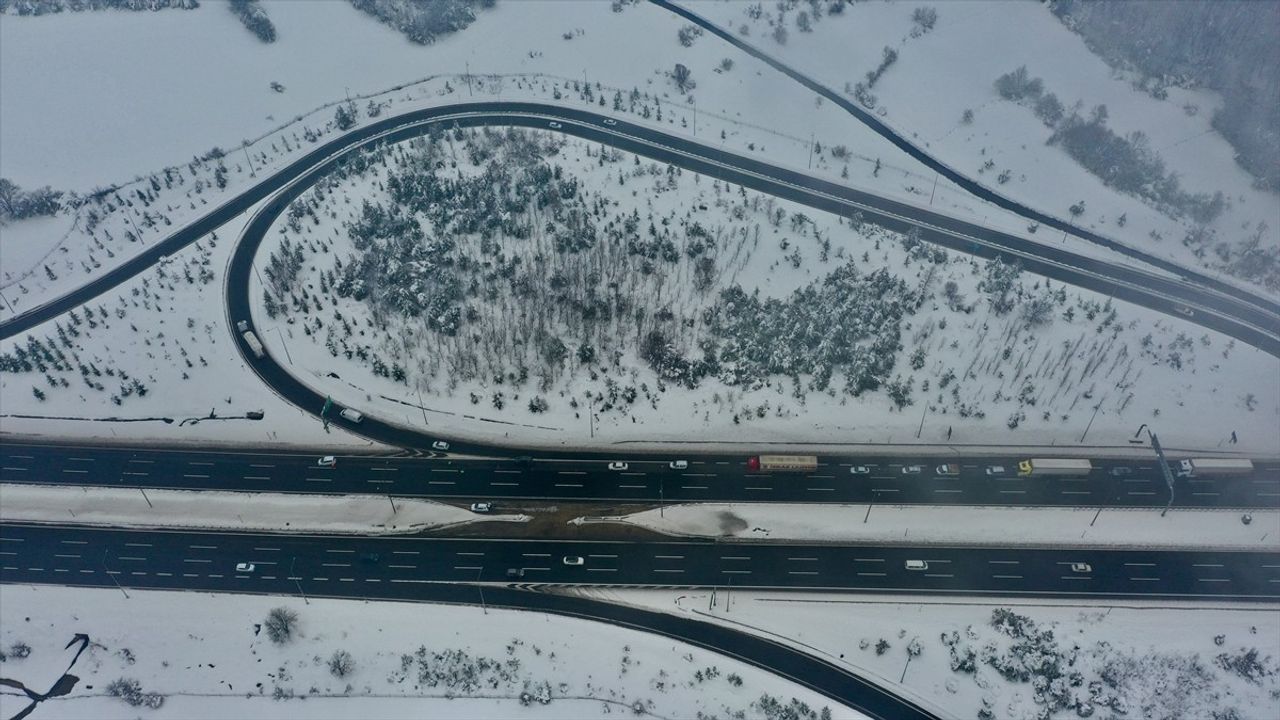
324	564
717	478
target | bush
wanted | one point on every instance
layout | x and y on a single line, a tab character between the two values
1018	85
130	691
280	624
538	404
341	664
19	651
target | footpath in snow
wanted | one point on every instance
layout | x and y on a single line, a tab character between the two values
276	512
962	525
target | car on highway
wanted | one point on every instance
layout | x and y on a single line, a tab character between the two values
483	507
618	465
916	565
678	464
573	560
859	470
369	558
554	125
350	415
244	567
995	470
912	469
1119	471
1081	567
440	445
947	469
1185	311
242	325
327	461
610	121
515	572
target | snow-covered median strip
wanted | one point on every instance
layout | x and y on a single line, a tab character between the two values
933	524
277	512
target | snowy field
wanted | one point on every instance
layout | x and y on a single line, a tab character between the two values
1020	659
938	76
205	655
274	512
952	525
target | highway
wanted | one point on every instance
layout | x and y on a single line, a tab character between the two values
714	478
328	564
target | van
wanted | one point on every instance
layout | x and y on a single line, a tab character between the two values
351	415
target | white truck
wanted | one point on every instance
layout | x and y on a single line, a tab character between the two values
1195	467
1054	466
254	345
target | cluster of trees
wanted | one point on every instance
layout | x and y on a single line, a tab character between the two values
846	323
1126	163
423	21
255	19
17	204
45	7
1229	47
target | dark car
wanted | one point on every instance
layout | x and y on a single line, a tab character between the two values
369	558
515	572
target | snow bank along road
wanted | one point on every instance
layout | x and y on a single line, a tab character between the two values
354	565
325	568
710	478
968	184
1256	323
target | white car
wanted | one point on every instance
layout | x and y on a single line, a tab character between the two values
617	465
327	461
1081	567
481	507
859	470
678	464
244	567
911	469
916	565
610	121
1185	311
554	125
440	445
573	560
995	470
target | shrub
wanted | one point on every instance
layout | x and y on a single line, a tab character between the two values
341	664
130	691
280	624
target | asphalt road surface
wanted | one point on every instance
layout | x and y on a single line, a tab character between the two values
327	564
718	478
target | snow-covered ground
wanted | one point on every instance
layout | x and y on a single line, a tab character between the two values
961	525
941	73
1090	372
209	655
215	93
275	512
1016	659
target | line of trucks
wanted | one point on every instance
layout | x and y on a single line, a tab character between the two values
1034	467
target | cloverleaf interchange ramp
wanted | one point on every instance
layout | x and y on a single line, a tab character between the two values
1254	321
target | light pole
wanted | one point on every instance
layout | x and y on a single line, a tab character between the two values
110	574
293	577
480	587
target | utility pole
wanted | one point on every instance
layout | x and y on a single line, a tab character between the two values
469	92
811	136
144	497
252	172
935	188
695	116
393	504
295	580
480	587
285	344
111	574
1096	408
